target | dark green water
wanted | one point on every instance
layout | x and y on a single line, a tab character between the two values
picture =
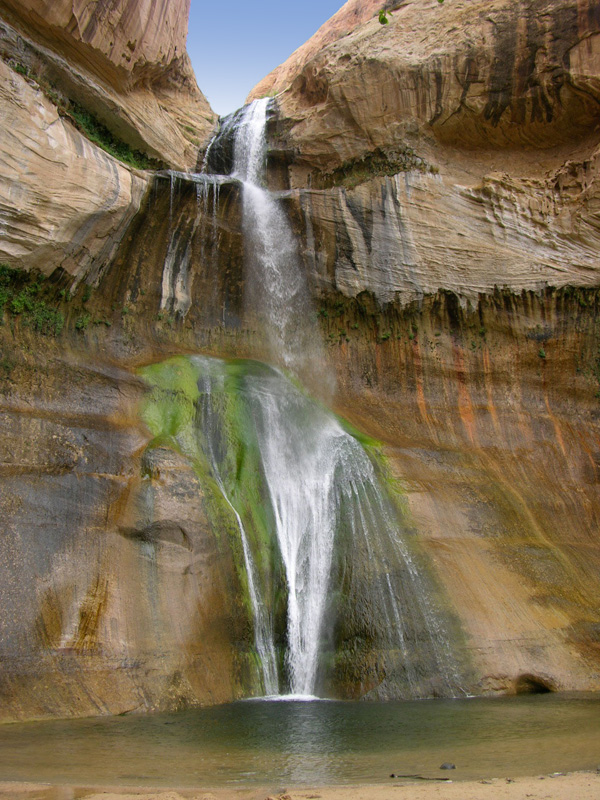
301	743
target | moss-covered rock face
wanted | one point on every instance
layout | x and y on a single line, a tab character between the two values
196	408
117	595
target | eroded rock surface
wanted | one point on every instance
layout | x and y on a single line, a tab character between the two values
63	201
453	148
124	61
116	594
467	74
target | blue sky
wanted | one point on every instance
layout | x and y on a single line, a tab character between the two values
234	45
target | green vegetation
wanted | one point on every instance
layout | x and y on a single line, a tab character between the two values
169	409
205	409
24	295
383	14
378	163
191	135
99	134
83	321
173	412
21	69
6	367
542	353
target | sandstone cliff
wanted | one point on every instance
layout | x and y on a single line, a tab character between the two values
64	202
124	62
443	174
74	76
483	116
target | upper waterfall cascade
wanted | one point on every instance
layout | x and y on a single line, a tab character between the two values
319	493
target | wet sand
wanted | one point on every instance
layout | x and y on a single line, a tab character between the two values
571	786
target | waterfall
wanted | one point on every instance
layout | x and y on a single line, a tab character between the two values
318	489
302	451
326	563
299	466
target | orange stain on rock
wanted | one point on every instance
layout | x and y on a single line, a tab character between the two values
465	406
420	384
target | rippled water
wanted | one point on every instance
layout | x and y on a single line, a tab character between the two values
309	743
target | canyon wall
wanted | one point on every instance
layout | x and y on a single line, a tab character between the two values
116	73
124	62
440	173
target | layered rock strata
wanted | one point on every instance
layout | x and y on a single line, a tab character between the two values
468	75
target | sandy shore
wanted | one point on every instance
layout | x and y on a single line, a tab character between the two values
571	786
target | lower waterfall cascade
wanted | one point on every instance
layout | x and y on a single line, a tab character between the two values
333	581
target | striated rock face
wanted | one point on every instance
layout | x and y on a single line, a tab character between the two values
493	434
124	61
131	36
410	234
63	201
455	148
